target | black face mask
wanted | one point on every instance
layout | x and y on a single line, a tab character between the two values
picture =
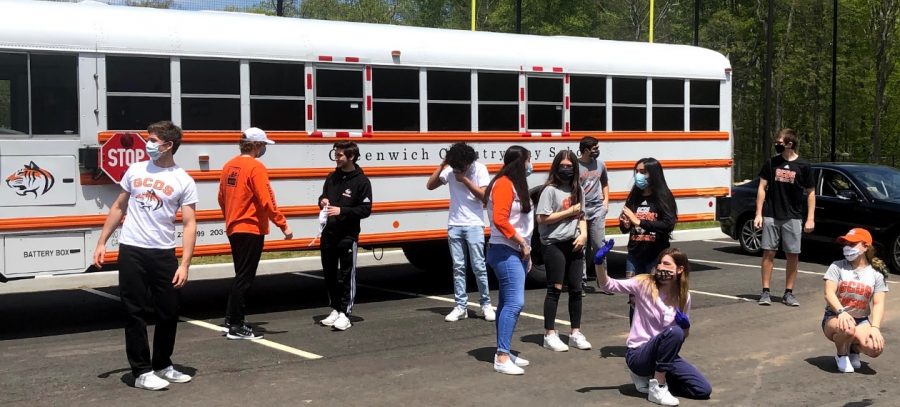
566	174
663	275
779	148
595	154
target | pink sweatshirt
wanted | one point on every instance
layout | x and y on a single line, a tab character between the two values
649	318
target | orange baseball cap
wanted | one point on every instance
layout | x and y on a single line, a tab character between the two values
856	235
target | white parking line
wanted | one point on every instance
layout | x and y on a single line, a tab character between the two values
722	241
212	327
444	299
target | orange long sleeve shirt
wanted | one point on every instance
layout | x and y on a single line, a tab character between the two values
246	198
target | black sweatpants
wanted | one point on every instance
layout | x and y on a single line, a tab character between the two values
563	265
246	249
339	267
145	284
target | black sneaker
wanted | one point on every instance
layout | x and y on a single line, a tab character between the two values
242	332
587	288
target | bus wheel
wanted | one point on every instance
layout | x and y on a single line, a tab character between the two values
429	256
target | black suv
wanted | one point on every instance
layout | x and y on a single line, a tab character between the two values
847	195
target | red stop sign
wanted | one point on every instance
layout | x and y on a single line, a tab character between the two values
119	152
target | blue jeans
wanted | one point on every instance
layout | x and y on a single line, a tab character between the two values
471	238
638	266
660	354
509	268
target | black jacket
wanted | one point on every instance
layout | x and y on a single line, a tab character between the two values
352	192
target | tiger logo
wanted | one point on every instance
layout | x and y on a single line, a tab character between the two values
149	200
31	179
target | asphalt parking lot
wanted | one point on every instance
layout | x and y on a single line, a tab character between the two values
66	347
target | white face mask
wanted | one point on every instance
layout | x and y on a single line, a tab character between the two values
851	253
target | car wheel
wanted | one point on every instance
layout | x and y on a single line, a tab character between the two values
895	254
750	237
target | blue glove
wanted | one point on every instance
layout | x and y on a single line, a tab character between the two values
603	251
682	319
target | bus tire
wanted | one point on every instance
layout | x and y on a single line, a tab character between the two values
433	256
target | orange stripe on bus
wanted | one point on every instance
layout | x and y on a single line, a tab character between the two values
193	137
207	215
369	239
416	170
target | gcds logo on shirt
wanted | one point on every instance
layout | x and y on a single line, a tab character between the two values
158	185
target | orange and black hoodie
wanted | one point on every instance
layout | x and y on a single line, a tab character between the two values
352	192
247	199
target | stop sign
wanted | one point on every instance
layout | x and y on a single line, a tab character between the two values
119	152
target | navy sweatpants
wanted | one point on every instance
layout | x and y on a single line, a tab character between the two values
660	354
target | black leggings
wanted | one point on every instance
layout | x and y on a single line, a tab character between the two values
563	264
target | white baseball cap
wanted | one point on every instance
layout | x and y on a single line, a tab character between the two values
256	134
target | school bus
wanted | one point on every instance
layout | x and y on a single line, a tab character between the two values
74	75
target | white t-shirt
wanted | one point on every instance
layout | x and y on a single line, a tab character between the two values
855	287
156	195
465	208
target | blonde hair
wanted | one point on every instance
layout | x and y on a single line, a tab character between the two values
875	262
681	260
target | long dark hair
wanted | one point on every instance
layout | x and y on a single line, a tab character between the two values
660	194
554	179
514	168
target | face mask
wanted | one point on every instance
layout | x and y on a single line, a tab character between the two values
566	174
779	148
664	275
153	151
528	169
595	154
851	253
640	180
262	152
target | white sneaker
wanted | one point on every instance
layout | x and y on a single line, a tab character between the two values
329	320
342	322
520	362
150	381
553	343
578	340
854	360
173	376
457	314
660	394
507	368
843	364
641	383
487	311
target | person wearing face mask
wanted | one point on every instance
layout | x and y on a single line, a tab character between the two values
248	204
150	276
509	253
786	185
563	232
594	179
467	179
661	326
854	301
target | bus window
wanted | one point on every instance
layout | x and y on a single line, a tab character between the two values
704	105
395	93
545	103
210	95
668	104
277	96
339	99
449	100
138	92
498	106
14	93
588	111
51	108
629	104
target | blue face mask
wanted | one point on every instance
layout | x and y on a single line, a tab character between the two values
640	180
153	151
528	169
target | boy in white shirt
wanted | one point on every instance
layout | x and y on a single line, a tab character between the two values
149	274
467	180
